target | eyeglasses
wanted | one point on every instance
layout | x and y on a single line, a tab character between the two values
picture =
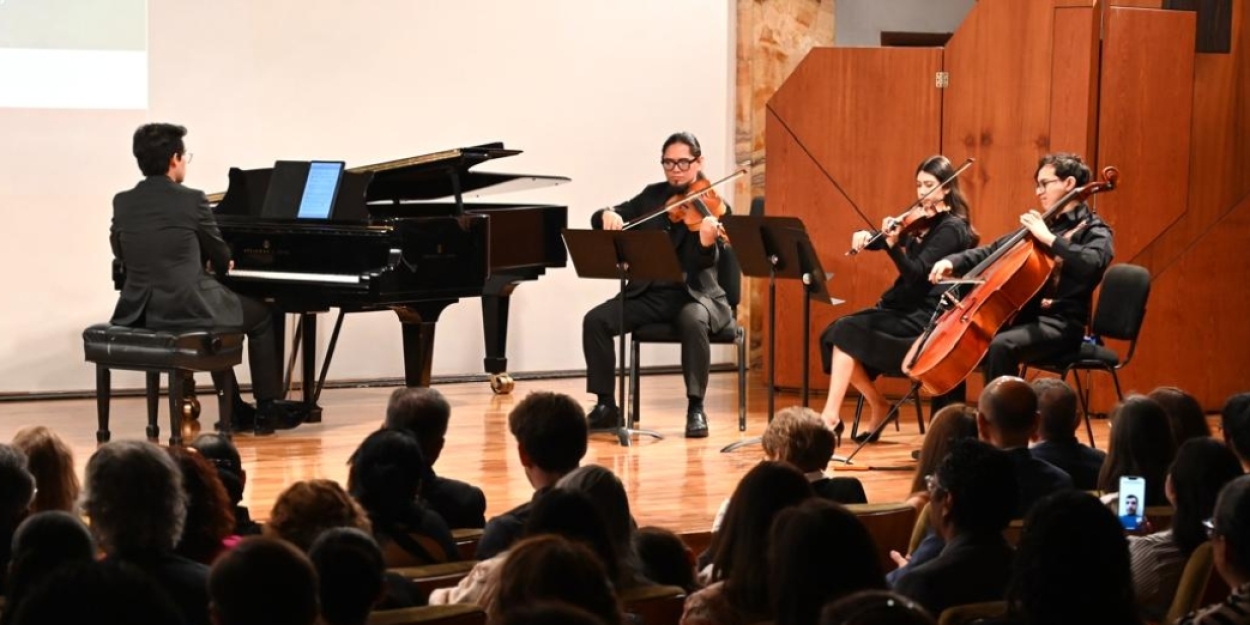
1042	184
681	164
1209	526
933	485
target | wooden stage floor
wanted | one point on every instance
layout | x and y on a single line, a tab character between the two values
674	482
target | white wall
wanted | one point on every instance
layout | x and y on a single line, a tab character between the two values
588	89
861	22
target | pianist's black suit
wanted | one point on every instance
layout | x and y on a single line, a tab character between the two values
695	307
162	233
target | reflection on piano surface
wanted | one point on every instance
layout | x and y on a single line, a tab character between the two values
401	237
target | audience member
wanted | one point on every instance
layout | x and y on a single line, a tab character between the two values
222	454
949	424
1140	444
106	592
550	613
1230	544
666	559
350	573
1235	423
425	412
51	462
1071	565
607	494
263	581
133	493
1057	442
17	490
1202	467
386	474
875	607
551	568
43	544
210	517
551	432
1184	413
974	498
307	508
797	435
739	588
818	552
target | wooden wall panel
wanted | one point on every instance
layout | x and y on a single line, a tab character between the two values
1074	81
848	128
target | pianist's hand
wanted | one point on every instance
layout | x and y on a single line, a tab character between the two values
612	220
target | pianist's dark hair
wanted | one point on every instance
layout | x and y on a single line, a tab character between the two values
155	144
684	138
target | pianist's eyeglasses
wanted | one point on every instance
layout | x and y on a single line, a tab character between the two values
681	164
187	156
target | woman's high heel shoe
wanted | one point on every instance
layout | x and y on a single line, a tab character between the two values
867	437
837	433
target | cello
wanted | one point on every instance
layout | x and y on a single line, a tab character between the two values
1004	283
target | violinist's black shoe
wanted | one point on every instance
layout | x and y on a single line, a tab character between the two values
696	423
604	417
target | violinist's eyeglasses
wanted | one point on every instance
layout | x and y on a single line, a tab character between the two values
1042	184
681	164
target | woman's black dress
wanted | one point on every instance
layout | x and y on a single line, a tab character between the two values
880	337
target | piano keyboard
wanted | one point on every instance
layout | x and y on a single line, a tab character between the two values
291	276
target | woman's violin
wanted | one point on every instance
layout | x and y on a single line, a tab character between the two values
915	217
692	207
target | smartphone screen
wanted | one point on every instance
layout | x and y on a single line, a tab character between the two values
1132	501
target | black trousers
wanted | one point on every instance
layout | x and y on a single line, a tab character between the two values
1041	338
264	349
655	305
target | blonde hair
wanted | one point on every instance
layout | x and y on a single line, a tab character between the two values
51	461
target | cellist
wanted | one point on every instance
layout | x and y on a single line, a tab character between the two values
1053	322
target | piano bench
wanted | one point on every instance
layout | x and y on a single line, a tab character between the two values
178	353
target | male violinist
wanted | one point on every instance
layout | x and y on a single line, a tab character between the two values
696	307
1053	322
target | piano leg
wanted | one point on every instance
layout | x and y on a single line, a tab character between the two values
418	327
308	368
495	299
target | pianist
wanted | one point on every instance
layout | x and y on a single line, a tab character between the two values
696	307
165	236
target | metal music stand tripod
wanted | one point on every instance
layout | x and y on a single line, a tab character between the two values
778	247
623	255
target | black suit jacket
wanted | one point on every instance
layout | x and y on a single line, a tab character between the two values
843	490
185	580
1081	462
163	233
697	262
461	505
970	569
1036	478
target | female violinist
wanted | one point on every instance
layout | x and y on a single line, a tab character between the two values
858	347
697	307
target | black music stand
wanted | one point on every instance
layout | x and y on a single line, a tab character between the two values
623	255
778	247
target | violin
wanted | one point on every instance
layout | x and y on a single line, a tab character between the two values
692	207
915	217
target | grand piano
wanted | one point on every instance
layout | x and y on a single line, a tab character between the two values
405	235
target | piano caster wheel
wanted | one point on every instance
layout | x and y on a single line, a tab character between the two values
190	407
502	383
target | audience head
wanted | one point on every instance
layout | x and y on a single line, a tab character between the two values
220	452
263	581
1235	422
607	494
1184	413
386	473
159	148
550	431
1230	532
573	515
210	515
1140	444
42	544
1007	413
17	488
1072	564
974	490
133	493
108	591
51	462
741	546
424	412
351	575
1057	409
798	436
666	559
550	613
818	552
306	509
1202	467
551	568
950	424
875	607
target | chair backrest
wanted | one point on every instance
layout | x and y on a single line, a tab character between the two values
397	555
889	524
919	529
654	605
729	275
455	614
962	614
1122	302
466	541
432	576
1191	590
